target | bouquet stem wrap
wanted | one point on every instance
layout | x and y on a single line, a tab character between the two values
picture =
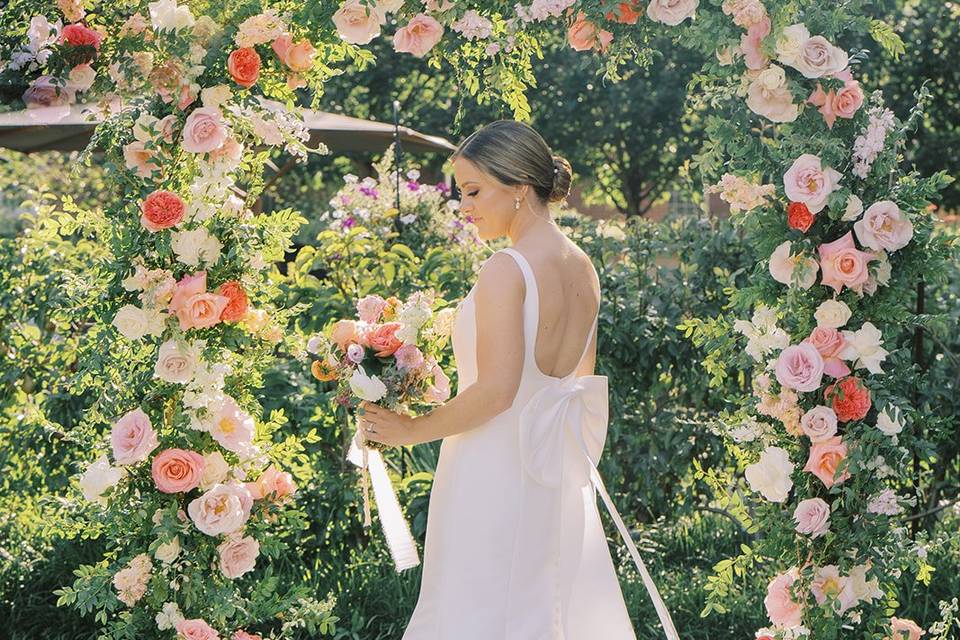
396	530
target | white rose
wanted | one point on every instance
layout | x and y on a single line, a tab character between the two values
99	477
853	210
196	245
773	77
832	314
131	321
864	346
81	77
771	474
165	15
215	96
369	388
175	362
169	617
889	426
215	469
817	58
672	12
789	43
169	551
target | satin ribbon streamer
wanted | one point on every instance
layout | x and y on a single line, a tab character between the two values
395	528
571	416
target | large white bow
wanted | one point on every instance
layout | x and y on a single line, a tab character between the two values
400	541
563	428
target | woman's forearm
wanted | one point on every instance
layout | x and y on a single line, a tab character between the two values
474	406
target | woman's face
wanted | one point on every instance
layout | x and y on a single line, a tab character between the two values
488	202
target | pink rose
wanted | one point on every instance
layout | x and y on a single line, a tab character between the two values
420	35
819	423
177	470
827	582
225	508
240	634
825	458
812	517
800	367
140	159
230	151
904	629
382	338
370	308
781	608
841	263
848	99
204	130
884	226
817	57
196	629
298	57
343	333
201	310
584	35
232	427
45	92
272	483
439	391
753	55
358	23
238	556
830	342
133	438
672	12
408	357
807	182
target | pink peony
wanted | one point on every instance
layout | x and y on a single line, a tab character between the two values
782	610
196	629
884	227
825	458
800	367
841	263
812	517
133	437
358	23
204	130
370	308
819	423
750	44
420	35
272	483
408	357
177	470
225	508
808	182
238	556
830	342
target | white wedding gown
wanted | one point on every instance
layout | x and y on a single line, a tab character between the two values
514	548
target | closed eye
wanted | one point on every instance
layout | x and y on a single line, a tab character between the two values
472	193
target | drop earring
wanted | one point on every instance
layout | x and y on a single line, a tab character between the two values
516	203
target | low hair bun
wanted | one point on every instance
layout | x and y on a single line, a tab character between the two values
562	178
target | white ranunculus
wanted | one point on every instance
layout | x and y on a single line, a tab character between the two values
890	426
832	314
131	322
99	477
770	476
195	245
370	388
169	551
864	346
165	15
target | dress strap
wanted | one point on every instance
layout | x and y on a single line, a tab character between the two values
531	303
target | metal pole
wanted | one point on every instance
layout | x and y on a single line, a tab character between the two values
396	150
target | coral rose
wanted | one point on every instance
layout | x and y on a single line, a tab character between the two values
584	35
237	301
177	470
244	66
799	216
161	210
851	401
825	458
382	338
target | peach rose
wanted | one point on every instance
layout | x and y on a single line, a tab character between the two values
201	310
782	610
177	470
161	210
195	629
298	57
808	182
584	35
830	342
841	263
848	99
358	23
272	483
237	301
884	227
420	35
133	438
238	556
225	508
243	64
672	12
825	458
382	338
750	44
343	333
230	152
139	159
204	130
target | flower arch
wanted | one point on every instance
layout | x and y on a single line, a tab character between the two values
806	159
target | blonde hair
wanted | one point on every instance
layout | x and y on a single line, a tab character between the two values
515	154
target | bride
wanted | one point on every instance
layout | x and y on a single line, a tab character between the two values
514	547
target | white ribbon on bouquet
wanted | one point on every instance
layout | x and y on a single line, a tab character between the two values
396	530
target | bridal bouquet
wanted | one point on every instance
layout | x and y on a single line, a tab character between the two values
388	354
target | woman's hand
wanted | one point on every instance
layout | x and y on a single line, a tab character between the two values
385	426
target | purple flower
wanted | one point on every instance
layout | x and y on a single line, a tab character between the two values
348	222
443	188
370	192
413	185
